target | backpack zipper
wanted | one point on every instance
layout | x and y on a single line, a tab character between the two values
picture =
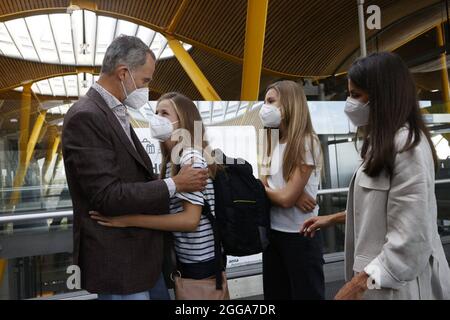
244	201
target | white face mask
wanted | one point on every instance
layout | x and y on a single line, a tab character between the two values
161	128
270	116
137	98
357	112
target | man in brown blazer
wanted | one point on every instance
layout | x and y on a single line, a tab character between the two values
109	171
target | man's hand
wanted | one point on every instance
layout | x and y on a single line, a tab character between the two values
354	290
190	179
306	203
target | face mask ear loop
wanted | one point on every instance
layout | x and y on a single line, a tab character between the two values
124	89
132	79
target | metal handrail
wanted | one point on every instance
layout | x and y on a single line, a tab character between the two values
35	216
34	188
69	213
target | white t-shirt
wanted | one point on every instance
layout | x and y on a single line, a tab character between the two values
290	220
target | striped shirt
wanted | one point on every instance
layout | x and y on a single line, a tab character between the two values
196	246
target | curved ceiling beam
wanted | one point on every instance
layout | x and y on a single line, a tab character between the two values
168	31
159	29
427	10
77	70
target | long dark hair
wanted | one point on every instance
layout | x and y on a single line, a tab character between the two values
393	103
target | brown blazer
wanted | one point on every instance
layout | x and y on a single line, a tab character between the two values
107	174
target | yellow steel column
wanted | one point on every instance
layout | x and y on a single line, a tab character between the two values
193	71
3	264
254	47
23	167
173	24
444	71
59	158
52	148
25	110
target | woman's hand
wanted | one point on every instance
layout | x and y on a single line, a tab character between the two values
314	224
306	203
354	290
264	181
116	222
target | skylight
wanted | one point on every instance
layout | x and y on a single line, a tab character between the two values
80	38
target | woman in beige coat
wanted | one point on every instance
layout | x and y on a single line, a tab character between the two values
392	245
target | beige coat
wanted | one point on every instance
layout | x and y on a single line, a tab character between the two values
391	229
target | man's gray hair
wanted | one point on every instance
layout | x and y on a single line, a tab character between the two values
127	50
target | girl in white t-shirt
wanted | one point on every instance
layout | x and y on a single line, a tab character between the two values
292	263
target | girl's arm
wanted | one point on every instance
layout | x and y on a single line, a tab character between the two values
314	224
288	196
184	221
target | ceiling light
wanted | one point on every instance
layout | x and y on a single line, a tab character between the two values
84	49
72	8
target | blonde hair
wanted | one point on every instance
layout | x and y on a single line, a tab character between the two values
298	127
188	114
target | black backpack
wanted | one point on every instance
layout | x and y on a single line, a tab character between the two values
242	211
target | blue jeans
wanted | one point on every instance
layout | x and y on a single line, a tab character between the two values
158	292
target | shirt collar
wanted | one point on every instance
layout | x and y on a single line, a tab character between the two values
110	100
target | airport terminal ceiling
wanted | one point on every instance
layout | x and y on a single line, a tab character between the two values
302	39
60	49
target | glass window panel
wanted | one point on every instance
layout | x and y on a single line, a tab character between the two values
442	147
62	109
35	88
145	34
57	85
204	106
257	105
158	43
19	32
232	108
219	107
44	87
105	35
243	110
126	28
7	46
41	33
62	30
71	85
165	50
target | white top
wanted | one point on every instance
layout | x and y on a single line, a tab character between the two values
196	246
290	220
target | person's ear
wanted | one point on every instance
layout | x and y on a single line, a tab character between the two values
121	72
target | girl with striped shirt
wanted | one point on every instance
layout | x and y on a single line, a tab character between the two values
192	231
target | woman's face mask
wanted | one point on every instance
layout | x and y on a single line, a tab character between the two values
357	111
161	128
270	116
162	123
137	98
